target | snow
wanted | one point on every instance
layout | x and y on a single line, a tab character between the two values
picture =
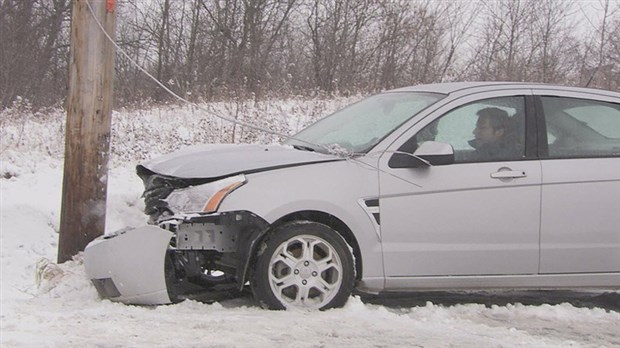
48	305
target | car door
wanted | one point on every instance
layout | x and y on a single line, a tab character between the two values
580	222
473	217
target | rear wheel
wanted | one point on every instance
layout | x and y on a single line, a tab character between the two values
303	265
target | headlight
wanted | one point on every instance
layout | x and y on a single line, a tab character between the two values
203	198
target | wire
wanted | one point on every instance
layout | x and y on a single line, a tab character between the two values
172	93
333	150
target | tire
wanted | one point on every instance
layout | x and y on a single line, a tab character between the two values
303	265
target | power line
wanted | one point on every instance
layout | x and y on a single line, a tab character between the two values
334	150
175	95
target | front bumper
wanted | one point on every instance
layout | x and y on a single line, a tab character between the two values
129	265
157	265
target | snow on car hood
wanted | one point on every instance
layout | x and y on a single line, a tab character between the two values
218	160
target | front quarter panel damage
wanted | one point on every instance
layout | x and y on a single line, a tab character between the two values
207	243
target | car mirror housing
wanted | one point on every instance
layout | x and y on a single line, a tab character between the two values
429	153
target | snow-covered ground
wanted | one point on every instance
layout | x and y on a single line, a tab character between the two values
48	305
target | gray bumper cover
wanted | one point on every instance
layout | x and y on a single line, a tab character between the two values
128	266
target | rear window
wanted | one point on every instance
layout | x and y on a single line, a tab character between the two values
581	127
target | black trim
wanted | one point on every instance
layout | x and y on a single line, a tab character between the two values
372	202
542	147
259	170
377	217
106	287
531	127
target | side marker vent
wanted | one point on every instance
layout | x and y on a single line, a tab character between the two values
372	207
371	203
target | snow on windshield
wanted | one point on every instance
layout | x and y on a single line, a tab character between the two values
358	127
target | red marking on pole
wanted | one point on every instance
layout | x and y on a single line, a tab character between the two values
111	5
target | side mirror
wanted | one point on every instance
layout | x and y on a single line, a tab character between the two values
430	153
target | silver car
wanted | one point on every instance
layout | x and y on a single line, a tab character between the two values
431	187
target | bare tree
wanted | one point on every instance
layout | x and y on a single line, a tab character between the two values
131	85
596	69
503	39
206	49
526	40
459	18
613	56
334	31
244	33
554	52
392	41
33	50
411	48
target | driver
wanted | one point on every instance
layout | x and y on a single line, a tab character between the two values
492	138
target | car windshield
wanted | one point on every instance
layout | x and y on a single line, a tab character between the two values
359	127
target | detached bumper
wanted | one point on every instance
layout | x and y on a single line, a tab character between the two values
129	266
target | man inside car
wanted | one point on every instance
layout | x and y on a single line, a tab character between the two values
492	135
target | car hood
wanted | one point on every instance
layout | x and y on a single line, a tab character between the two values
220	160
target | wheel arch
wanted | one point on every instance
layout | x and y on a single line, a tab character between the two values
334	223
307	215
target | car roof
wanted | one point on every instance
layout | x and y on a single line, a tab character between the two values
478	86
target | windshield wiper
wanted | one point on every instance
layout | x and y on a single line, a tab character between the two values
304	148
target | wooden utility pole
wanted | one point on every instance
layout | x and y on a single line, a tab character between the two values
87	142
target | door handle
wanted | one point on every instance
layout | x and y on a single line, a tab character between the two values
508	174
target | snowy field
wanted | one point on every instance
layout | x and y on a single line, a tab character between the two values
48	305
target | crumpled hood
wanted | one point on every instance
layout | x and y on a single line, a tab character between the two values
219	160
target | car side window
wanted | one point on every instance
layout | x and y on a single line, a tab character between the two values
485	130
581	128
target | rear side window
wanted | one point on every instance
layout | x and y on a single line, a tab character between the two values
581	127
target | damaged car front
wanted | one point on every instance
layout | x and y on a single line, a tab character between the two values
206	251
292	221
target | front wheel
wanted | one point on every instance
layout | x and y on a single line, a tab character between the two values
303	265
